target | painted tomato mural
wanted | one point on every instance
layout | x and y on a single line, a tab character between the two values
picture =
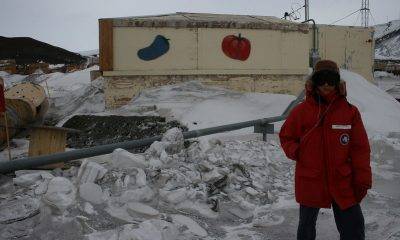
236	47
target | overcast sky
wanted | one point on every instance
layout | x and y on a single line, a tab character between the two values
73	24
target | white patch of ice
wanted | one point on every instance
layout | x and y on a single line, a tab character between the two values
174	196
90	172
136	208
91	192
202	208
60	194
140	178
103	235
143	194
88	208
192	226
174	140
123	159
27	178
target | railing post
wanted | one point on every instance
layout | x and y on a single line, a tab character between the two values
264	129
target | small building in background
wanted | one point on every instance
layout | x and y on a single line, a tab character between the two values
238	52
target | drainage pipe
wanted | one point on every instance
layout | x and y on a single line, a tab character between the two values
314	51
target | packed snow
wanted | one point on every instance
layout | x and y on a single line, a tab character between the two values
388	82
224	186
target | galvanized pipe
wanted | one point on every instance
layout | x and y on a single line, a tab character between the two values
31	162
314	50
306	9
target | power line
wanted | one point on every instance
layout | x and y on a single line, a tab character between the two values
358	15
292	12
345	17
373	19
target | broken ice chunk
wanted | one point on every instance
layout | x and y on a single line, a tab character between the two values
155	150
174	196
192	226
104	235
91	192
42	187
241	213
251	191
140	178
212	175
88	208
123	159
141	210
153	229
241	209
60	194
174	139
143	194
28	178
90	172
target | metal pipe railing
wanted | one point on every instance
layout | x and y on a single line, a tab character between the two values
31	162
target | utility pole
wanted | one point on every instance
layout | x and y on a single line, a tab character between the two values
307	14
364	13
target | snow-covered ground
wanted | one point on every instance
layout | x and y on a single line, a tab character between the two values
226	186
388	82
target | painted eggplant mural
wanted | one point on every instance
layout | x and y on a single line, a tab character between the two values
156	49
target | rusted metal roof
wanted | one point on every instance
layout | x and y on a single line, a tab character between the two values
207	20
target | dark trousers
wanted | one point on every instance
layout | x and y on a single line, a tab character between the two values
349	222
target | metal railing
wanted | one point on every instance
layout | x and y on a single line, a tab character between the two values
32	162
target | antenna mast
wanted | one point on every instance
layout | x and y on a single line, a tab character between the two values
307	14
365	13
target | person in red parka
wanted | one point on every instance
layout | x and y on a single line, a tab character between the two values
326	137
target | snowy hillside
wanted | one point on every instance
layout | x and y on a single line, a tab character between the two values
89	52
225	186
388	49
386	28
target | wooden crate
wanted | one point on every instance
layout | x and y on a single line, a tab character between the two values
47	140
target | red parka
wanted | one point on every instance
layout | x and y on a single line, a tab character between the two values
329	143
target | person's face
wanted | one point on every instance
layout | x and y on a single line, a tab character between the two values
325	81
326	89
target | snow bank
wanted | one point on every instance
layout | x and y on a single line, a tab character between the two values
11	79
379	110
200	107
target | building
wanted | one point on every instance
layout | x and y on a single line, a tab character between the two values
240	52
